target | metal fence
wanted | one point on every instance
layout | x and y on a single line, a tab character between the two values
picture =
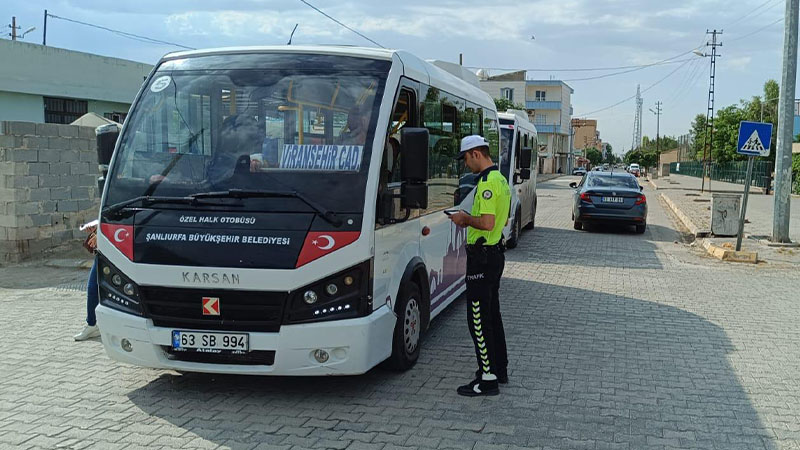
730	172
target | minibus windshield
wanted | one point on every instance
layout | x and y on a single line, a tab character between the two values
279	122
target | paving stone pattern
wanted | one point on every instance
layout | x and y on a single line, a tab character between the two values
617	341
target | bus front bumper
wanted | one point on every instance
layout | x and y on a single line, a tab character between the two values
354	345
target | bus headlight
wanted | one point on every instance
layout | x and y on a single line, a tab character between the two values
331	289
310	297
116	290
344	295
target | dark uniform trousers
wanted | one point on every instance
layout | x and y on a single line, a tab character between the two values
484	269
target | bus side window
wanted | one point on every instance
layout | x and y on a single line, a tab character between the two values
403	114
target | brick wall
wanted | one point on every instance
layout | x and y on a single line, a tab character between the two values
48	187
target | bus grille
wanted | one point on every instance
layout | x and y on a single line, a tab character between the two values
255	311
254	358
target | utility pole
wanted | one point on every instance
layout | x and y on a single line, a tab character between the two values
44	33
14	28
657	112
709	134
783	149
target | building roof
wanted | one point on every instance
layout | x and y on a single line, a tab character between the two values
549	83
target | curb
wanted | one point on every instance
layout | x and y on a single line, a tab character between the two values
687	222
725	254
69	263
655	186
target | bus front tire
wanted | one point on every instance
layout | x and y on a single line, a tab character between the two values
407	336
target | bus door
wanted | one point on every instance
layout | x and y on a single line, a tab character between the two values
397	233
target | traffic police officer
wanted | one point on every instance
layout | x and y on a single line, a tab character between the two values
485	262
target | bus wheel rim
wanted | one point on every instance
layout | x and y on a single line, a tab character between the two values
411	325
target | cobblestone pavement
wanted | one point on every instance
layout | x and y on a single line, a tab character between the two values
617	341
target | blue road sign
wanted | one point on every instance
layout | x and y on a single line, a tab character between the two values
754	138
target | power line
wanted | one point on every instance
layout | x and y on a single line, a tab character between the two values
757	8
634	96
757	31
629	71
592	69
135	37
340	23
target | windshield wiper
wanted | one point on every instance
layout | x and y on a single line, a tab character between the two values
326	214
147	200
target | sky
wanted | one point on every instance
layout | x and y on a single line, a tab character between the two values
543	35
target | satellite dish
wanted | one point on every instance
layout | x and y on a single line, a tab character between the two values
482	74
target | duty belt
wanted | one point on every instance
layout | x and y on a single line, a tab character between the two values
486	248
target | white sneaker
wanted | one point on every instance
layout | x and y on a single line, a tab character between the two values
88	332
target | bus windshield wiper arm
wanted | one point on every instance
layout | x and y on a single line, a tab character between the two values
149	200
326	214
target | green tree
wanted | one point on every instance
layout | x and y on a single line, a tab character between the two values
504	104
594	156
726	125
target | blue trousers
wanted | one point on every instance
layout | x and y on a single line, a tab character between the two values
92	296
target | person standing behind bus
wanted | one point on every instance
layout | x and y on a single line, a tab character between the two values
485	263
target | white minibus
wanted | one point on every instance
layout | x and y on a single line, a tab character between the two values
280	210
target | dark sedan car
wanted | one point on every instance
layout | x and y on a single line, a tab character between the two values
609	197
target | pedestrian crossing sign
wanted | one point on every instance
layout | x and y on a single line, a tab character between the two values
754	138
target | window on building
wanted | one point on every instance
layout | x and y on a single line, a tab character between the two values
540	96
118	117
64	110
507	93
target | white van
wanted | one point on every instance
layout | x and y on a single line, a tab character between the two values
518	139
280	210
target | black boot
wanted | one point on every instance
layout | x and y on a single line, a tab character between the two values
478	387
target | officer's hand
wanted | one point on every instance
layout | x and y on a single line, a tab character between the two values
460	219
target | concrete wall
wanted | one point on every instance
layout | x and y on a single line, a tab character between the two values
24	107
49	187
50	71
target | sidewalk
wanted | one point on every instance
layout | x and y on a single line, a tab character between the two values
684	182
682	195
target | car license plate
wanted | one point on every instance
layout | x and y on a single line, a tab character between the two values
612	199
203	341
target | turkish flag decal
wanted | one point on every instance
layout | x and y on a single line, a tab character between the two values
319	244
121	237
210	306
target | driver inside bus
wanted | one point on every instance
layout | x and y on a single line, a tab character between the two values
357	126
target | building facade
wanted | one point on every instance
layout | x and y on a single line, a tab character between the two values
51	85
586	135
549	107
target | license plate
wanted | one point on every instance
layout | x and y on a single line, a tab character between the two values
612	200
202	341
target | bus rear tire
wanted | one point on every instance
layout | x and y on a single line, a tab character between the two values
407	337
516	230
532	223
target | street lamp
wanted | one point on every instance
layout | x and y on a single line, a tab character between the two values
26	32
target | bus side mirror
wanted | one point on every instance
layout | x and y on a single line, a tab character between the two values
106	140
414	155
414	196
525	159
414	168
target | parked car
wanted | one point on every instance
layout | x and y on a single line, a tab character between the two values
634	170
609	197
579	171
